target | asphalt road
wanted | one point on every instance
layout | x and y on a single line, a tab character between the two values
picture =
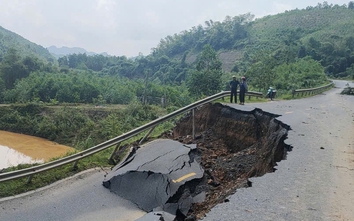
79	198
316	181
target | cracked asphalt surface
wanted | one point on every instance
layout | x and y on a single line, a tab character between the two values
153	175
316	182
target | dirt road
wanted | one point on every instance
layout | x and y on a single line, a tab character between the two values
316	182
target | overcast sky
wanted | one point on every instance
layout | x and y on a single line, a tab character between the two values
125	27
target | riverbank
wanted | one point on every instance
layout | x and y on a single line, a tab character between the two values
78	127
24	149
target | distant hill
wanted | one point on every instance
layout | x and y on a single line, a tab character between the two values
24	47
323	32
63	51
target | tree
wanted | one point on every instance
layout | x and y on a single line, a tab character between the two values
206	79
302	52
63	61
12	68
261	72
350	43
32	63
351	5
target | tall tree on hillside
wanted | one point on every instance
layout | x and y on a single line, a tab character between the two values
206	79
63	61
261	72
32	63
351	5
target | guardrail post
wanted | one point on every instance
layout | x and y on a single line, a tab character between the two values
75	164
146	135
293	92
193	126
29	178
112	154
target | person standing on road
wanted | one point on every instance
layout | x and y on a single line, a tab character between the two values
243	90
233	86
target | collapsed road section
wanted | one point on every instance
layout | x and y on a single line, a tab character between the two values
155	172
184	177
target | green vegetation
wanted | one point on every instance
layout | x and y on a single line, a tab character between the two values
261	49
323	32
254	48
76	126
206	79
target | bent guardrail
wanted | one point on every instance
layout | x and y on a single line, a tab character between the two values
30	172
309	91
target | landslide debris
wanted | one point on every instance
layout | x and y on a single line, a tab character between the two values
234	145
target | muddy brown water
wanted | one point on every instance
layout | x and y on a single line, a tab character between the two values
19	149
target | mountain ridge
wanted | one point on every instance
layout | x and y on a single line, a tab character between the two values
64	51
9	39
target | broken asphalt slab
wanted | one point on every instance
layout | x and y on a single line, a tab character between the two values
152	175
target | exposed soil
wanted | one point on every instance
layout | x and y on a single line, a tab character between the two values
233	145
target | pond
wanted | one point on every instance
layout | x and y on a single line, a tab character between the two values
19	149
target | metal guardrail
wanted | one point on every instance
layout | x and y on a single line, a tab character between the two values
309	91
30	172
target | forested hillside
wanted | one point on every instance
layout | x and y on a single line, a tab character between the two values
290	50
323	32
24	47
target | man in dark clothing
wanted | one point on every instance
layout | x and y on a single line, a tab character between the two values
243	90
233	86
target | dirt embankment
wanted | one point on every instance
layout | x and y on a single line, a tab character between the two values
234	145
